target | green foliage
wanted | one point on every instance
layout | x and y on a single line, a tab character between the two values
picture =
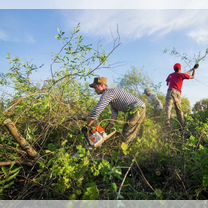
50	117
168	163
78	174
19	76
7	179
186	107
135	81
91	192
187	59
200	110
77	58
200	106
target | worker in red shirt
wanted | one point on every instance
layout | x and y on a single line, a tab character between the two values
175	83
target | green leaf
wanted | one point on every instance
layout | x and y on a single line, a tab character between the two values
158	194
205	181
115	187
91	192
124	147
5	171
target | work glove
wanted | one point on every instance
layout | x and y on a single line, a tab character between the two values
196	66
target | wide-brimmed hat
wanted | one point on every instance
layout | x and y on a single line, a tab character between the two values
99	80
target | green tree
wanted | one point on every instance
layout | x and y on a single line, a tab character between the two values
50	115
200	106
135	81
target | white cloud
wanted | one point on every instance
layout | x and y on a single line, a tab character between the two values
27	38
201	36
135	24
3	36
107	4
6	37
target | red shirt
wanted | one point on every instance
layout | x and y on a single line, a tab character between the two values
175	80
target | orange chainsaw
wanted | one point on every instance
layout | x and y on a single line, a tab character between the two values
95	138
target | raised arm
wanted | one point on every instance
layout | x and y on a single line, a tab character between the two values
192	71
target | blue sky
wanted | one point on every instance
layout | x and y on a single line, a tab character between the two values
30	35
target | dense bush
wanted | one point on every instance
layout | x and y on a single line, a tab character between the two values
160	164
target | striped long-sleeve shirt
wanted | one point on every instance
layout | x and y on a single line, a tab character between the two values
119	100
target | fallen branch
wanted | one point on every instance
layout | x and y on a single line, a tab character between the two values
122	183
8	163
10	110
144	178
179	177
20	139
4	147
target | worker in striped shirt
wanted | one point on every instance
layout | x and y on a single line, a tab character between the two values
119	100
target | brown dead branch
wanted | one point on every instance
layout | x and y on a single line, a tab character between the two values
8	163
144	178
20	139
122	183
21	152
9	111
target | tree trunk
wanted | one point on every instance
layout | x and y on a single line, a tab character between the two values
20	139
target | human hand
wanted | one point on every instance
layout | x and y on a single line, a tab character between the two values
196	66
